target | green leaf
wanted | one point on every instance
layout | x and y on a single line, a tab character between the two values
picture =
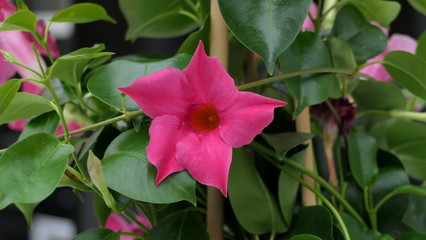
69	68
179	225
100	209
408	70
191	42
42	160
356	231
253	204
307	51
47	123
414	220
314	220
82	13
288	189
412	155
391	175
401	132
25	105
21	5
283	142
20	21
305	237
421	47
97	234
378	95
121	73
265	27
412	236
382	12
419	5
160	18
365	39
27	209
362	151
7	92
131	141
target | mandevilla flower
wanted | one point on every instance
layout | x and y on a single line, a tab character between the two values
198	117
116	223
308	25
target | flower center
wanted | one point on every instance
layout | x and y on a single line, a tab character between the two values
204	117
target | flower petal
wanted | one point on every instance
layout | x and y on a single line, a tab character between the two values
207	158
32	87
164	92
251	113
18	125
401	42
116	223
164	133
212	84
308	24
7	70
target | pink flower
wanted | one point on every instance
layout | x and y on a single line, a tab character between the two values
198	117
20	126
395	42
116	223
308	25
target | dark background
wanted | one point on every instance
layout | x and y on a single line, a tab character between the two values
64	202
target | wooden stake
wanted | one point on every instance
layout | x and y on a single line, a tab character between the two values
218	48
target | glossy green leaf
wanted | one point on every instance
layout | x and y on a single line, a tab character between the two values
414	219
308	51
21	21
401	132
314	220
408	70
419	5
253	204
121	73
382	12
191	42
94	167
25	105
378	95
283	142
366	40
179	225
7	92
20	4
47	123
412	155
42	160
27	209
305	237
362	151
69	68
97	234
82	13
412	236
265	27
391	175
288	189
421	46
128	172
161	18
356	231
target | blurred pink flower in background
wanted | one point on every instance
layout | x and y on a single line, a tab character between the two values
395	42
308	25
116	223
198	117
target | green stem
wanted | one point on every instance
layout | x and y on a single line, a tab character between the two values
368	64
58	108
340	167
368	201
272	236
128	116
316	177
133	219
419	116
45	42
324	199
294	74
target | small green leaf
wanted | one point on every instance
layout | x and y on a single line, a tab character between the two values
283	142
94	167
97	234
47	123
191	42
305	237
314	220
421	46
161	18
365	39
378	95
21	5
265	27
408	70
42	160
401	132
179	225
20	21
121	73
362	151
7	92
82	13
382	12
412	155
419	5
253	204
308	51
25	105
27	209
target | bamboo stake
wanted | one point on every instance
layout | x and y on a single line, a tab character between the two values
303	124
219	49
